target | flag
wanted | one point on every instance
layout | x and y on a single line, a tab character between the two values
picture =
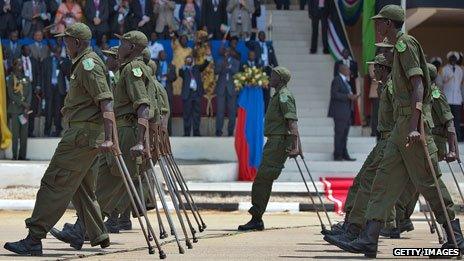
249	132
5	134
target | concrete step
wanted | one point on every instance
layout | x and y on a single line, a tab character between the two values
324	131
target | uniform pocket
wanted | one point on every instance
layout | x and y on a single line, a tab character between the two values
56	177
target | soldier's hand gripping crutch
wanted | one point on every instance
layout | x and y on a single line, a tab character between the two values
178	177
155	146
192	204
171	183
131	190
435	179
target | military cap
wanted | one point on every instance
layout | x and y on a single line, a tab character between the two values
391	12
146	54
432	70
77	30
283	72
134	37
381	60
113	51
385	44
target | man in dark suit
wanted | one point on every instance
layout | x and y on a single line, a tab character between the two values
13	47
166	75
265	55
226	67
213	14
97	14
192	91
31	70
39	48
140	16
282	3
10	11
52	69
341	105
35	17
251	61
319	10
353	65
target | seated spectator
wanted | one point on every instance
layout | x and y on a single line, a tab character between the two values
13	48
53	96
154	46
96	14
34	14
119	9
52	8
69	12
140	16
166	75
181	51
213	15
19	103
226	67
164	10
240	17
9	11
189	15
251	61
192	92
39	48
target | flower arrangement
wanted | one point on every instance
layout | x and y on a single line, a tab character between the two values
251	76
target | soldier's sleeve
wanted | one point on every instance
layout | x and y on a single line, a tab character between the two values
442	108
136	89
287	105
408	52
94	81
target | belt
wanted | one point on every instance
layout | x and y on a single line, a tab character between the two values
384	135
86	125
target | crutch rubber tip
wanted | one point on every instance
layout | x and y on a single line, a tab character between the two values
151	251
150	238
163	235
189	245
204	225
195	240
432	231
162	254
200	229
181	250
172	233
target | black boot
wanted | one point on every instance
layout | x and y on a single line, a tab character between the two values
405	225
367	241
351	233
124	220
112	224
26	247
456	230
391	230
74	236
337	229
253	224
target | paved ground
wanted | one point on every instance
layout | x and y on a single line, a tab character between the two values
289	236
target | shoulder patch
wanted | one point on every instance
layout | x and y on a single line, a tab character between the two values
400	46
436	93
390	88
89	64
137	72
283	97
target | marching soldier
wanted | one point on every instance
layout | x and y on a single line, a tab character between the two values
281	129
146	55
404	156
88	110
19	103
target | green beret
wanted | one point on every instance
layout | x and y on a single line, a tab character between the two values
385	44
432	70
134	37
381	60
77	30
283	72
146	54
391	12
113	51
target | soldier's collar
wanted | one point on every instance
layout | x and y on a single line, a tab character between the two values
138	58
399	34
86	51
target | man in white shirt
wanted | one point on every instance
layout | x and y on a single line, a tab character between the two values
452	78
154	46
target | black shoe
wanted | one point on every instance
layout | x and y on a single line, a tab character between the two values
326	51
313	51
456	229
390	232
338	159
366	243
124	221
72	237
405	225
253	224
26	247
103	244
348	158
351	233
336	229
112	224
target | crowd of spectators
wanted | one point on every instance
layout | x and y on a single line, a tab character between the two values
184	67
